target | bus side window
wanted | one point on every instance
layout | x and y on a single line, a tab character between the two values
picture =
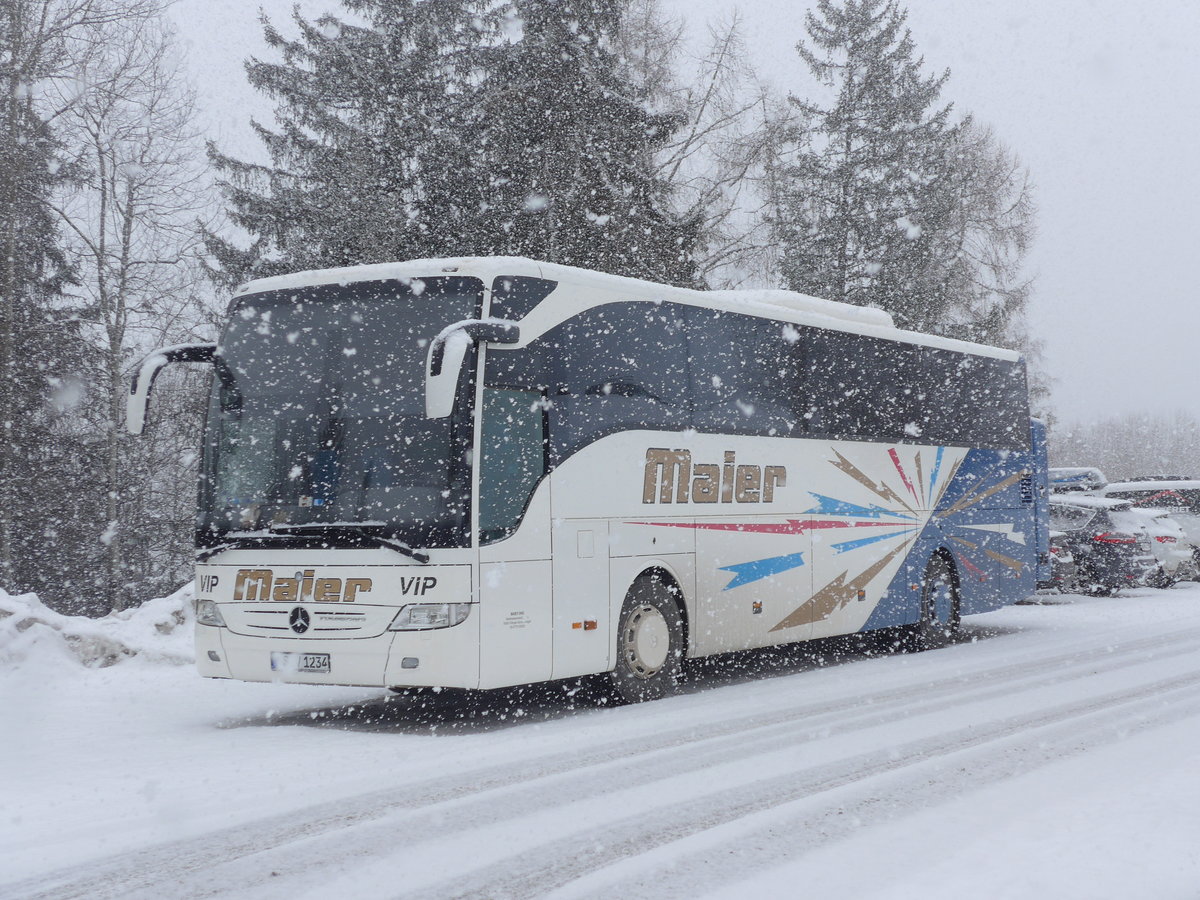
513	446
746	374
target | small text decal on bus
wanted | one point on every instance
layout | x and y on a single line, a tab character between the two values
261	584
672	477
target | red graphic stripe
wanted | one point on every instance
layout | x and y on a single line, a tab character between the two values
792	526
974	568
900	469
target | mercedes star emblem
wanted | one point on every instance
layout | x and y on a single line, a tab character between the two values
298	619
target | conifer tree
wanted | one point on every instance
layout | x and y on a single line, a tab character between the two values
869	190
454	127
570	151
362	159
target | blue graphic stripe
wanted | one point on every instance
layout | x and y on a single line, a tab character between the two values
746	572
862	542
828	506
937	465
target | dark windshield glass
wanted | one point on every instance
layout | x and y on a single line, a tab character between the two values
318	414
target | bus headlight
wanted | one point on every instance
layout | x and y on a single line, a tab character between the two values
207	613
423	616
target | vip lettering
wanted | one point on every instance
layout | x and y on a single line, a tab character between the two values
672	477
208	583
417	584
262	585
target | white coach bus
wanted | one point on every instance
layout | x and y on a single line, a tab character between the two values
482	472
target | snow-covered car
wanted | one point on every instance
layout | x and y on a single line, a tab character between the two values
1168	543
1066	479
1063	570
1180	497
1107	556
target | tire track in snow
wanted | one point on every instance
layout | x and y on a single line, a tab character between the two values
448	820
453	804
1052	734
787	832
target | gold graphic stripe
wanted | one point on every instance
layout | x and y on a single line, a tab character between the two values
1015	564
921	478
879	490
947	481
969	495
838	593
967	501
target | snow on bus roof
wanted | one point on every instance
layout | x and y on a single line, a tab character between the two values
774	304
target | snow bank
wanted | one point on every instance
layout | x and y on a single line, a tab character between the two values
158	631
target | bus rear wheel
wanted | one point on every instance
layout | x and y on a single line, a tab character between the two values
938	589
649	641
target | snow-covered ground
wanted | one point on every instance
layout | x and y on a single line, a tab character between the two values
1055	752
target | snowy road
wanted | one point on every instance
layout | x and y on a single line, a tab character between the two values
1054	752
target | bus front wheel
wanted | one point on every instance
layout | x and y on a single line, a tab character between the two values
938	589
649	642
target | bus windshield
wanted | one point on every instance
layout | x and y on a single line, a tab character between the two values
317	415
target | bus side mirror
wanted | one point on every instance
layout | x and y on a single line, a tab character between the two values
148	369
447	352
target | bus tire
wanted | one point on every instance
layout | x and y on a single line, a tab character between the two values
650	640
930	632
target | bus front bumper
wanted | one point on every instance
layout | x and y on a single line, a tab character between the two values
442	657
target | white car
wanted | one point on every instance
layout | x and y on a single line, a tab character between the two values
1168	542
1178	497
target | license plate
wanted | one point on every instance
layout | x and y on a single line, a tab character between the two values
300	662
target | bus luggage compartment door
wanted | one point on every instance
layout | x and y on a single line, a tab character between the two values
581	616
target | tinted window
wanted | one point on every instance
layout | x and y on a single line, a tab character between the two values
514	458
317	414
513	296
1069	518
613	368
864	388
668	367
747	373
869	388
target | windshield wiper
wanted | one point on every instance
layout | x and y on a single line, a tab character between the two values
235	544
359	531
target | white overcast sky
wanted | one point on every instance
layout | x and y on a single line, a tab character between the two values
1099	98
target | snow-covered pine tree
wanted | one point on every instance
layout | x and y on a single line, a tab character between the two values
368	162
569	151
868	189
448	127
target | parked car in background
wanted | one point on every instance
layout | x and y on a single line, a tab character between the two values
1180	497
1062	564
1075	478
1107	556
1168	542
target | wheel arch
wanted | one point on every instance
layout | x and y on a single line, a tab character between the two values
947	555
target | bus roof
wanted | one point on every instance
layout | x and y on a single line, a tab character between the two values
788	306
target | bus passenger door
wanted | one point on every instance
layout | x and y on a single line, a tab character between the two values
581	619
515	601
